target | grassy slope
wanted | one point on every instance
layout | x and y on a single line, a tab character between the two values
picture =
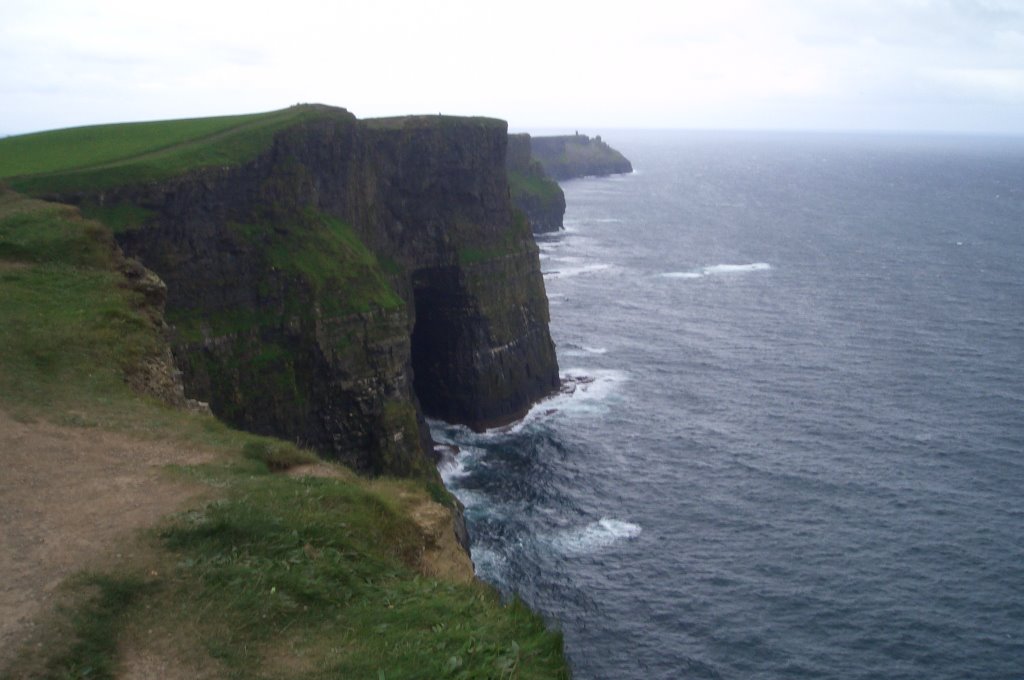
104	156
544	189
277	577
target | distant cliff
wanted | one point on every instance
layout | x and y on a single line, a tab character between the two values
331	280
571	156
537	195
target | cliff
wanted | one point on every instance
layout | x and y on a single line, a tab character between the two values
331	280
182	547
570	156
533	192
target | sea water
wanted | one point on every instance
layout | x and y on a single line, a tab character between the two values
791	438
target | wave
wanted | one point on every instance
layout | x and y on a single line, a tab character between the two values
736	268
455	460
490	565
683	275
596	536
573	350
718	269
566	272
582	392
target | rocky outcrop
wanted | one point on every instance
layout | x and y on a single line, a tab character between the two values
155	373
351	272
533	192
570	156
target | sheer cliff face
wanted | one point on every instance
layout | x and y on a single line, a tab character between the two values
310	286
481	350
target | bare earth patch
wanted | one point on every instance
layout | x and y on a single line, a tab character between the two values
70	499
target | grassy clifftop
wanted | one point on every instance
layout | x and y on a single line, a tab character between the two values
264	574
103	156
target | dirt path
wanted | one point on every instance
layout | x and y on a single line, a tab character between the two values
70	499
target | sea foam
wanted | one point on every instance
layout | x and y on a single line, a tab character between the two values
566	272
719	269
596	536
583	392
582	350
736	268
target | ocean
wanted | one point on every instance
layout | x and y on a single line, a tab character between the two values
790	442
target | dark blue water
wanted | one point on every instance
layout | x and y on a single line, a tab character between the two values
795	448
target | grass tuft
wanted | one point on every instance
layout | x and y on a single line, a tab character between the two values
96	625
278	456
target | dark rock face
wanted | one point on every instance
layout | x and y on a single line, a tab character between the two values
309	286
481	350
570	156
533	192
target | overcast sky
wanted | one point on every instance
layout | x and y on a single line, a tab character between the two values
920	65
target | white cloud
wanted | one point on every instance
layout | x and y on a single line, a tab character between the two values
792	63
999	84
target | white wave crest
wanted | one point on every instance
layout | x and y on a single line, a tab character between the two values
683	275
489	564
456	461
582	350
736	268
566	272
452	468
596	536
717	269
583	392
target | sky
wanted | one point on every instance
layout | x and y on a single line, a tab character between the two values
892	65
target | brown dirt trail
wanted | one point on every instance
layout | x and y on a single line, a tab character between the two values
71	499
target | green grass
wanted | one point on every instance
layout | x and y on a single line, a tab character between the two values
49	233
120	217
96	625
327	566
542	188
70	328
105	156
430	121
277	455
330	256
